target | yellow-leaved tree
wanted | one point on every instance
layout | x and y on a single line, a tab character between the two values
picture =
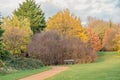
66	24
117	42
17	34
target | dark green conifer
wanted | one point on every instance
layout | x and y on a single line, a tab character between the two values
29	9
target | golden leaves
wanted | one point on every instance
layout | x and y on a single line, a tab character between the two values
66	24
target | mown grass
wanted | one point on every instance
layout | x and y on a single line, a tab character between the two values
107	67
22	73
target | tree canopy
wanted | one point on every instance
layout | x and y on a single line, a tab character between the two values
66	24
34	13
1	41
94	40
17	34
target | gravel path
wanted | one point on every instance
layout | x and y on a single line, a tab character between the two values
43	75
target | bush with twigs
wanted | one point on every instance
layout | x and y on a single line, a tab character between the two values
52	48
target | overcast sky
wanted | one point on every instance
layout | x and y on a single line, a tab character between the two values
103	9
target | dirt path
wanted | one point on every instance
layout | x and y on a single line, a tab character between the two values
46	74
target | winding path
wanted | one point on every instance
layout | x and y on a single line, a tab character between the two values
43	75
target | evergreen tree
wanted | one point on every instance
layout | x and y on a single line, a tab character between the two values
0	18
1	47
29	9
1	32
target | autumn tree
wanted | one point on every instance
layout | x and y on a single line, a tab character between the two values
117	41
17	34
34	13
99	26
66	24
94	40
108	43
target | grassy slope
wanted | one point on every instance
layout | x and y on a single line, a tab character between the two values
107	67
22	73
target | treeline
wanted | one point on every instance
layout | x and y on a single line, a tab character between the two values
107	31
61	37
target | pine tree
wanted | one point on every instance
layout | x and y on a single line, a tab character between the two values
29	9
0	19
1	47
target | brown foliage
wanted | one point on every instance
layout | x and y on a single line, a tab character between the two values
51	48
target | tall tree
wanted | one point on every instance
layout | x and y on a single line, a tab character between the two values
66	24
34	13
94	40
117	41
99	26
108	39
17	34
1	46
0	18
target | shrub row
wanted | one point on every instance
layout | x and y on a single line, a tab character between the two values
24	63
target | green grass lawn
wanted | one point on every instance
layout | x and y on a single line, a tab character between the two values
22	73
107	67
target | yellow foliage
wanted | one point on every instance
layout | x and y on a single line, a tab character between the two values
17	34
66	24
119	52
117	41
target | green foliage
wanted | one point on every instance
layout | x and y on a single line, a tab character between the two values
3	53
24	63
0	22
1	47
3	68
1	63
33	12
0	19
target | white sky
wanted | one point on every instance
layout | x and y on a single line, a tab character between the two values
103	9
